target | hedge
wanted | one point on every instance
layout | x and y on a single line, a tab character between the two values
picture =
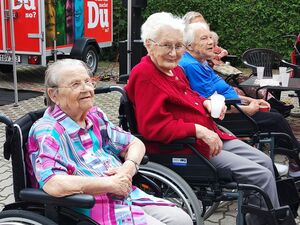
241	24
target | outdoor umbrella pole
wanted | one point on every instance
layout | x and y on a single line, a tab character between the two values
13	50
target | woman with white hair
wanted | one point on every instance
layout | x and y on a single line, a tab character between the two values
74	148
167	109
204	80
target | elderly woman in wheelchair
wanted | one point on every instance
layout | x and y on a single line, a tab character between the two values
75	149
166	109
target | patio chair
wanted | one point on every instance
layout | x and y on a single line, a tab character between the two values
270	60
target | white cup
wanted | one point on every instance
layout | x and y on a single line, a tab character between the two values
285	77
276	77
217	104
260	72
282	70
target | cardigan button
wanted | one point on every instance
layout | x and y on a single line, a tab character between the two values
196	103
185	93
176	78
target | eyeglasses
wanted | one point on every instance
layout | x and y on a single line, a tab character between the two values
79	85
168	47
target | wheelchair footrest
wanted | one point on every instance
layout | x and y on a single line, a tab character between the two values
281	216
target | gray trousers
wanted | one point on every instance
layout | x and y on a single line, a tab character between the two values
249	166
166	215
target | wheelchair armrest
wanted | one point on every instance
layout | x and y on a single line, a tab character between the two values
232	101
188	140
278	134
233	59
40	196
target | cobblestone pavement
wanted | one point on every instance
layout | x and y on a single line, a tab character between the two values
32	79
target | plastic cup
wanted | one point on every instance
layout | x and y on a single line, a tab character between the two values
276	77
217	104
285	77
282	70
264	108
260	72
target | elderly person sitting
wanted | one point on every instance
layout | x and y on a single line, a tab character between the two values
205	81
167	109
74	148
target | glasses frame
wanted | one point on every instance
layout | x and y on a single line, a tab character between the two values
169	48
90	83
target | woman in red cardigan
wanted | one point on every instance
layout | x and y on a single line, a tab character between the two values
167	109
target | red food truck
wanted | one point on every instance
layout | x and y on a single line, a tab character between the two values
46	30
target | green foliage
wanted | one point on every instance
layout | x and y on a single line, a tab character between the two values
241	24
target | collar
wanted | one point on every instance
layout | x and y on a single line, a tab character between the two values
70	126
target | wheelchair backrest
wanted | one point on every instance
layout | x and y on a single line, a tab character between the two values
15	148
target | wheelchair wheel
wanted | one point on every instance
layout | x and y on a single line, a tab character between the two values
162	182
22	217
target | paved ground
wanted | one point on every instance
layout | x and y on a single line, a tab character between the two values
32	79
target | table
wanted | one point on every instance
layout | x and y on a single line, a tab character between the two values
294	85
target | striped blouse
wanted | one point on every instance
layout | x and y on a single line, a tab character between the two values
58	145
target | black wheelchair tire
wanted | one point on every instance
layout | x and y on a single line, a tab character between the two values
168	177
23	217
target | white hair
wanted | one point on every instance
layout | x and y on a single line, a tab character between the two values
57	69
190	32
157	21
215	37
189	16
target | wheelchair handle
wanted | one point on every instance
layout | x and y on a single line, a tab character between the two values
6	120
101	90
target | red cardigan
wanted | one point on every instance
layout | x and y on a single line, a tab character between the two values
167	108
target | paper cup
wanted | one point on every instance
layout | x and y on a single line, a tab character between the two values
260	72
217	104
276	77
285	79
264	108
282	70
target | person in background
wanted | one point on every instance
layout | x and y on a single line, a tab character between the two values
167	109
224	69
74	148
193	17
205	81
218	51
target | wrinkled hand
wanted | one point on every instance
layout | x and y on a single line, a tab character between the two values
263	102
210	138
252	108
120	184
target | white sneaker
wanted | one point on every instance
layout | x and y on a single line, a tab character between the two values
282	169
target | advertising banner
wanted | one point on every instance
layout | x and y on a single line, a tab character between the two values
26	25
1	28
98	20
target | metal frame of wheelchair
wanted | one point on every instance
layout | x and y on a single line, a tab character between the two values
209	184
34	206
203	184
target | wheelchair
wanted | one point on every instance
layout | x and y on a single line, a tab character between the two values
210	185
188	187
34	206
